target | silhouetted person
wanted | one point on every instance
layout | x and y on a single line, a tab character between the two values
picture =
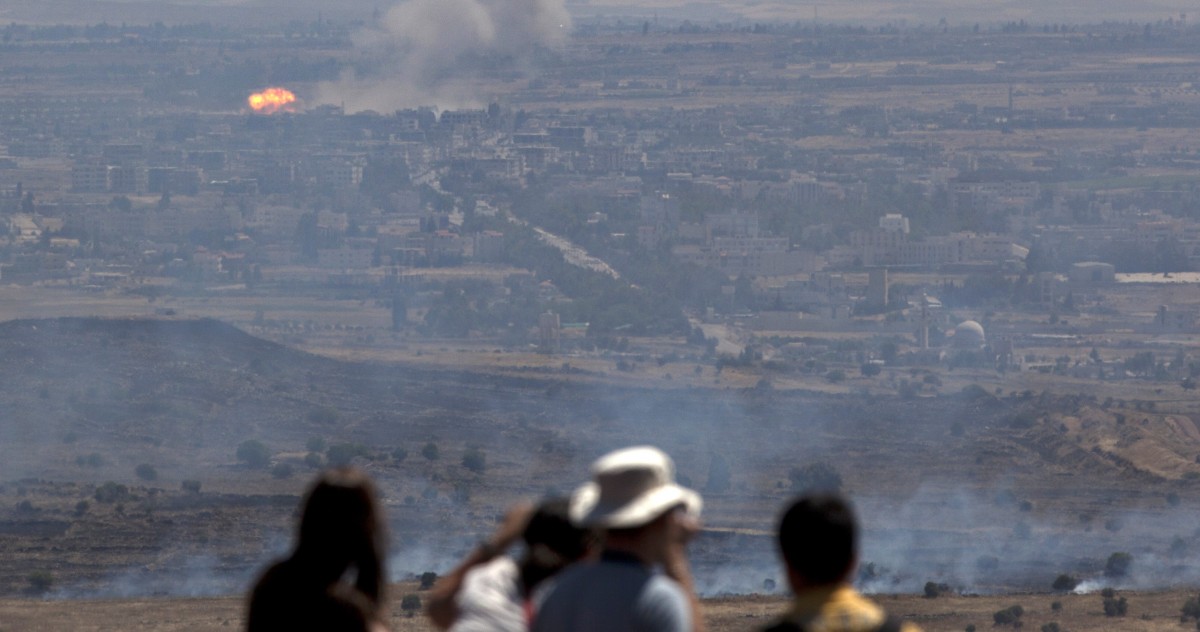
818	540
334	577
643	581
491	592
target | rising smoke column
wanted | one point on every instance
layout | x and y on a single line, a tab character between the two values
420	51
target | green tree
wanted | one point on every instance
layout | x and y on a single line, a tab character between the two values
40	582
254	454
146	472
1065	583
1191	608
430	451
474	460
1009	616
1118	564
1141	363
935	589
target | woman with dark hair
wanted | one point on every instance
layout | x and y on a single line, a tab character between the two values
491	592
334	578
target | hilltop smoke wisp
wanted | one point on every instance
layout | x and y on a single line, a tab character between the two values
420	50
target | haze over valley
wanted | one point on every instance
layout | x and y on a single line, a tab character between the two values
945	259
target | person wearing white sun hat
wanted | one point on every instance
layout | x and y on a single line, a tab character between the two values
643	580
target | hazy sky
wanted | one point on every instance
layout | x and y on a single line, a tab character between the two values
872	11
912	11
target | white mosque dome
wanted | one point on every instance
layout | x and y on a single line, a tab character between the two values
969	334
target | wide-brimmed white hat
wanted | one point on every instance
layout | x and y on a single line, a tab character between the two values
629	488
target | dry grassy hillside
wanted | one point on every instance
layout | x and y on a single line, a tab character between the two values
983	493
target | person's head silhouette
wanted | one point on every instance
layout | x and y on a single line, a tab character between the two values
335	573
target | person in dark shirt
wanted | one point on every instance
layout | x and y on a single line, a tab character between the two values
334	577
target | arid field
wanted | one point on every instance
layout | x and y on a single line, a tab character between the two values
1147	612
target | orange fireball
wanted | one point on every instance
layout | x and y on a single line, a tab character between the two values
272	100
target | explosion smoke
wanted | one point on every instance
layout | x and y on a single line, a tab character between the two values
419	52
272	100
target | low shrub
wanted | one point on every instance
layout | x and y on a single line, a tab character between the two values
254	454
1115	606
475	460
1191	609
1009	616
934	589
1118	564
146	472
40	581
111	492
1065	583
411	604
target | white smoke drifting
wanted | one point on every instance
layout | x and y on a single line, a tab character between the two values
421	52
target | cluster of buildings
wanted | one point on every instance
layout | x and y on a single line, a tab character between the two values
105	188
890	245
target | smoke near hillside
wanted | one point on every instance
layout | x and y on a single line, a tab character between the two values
420	52
988	507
